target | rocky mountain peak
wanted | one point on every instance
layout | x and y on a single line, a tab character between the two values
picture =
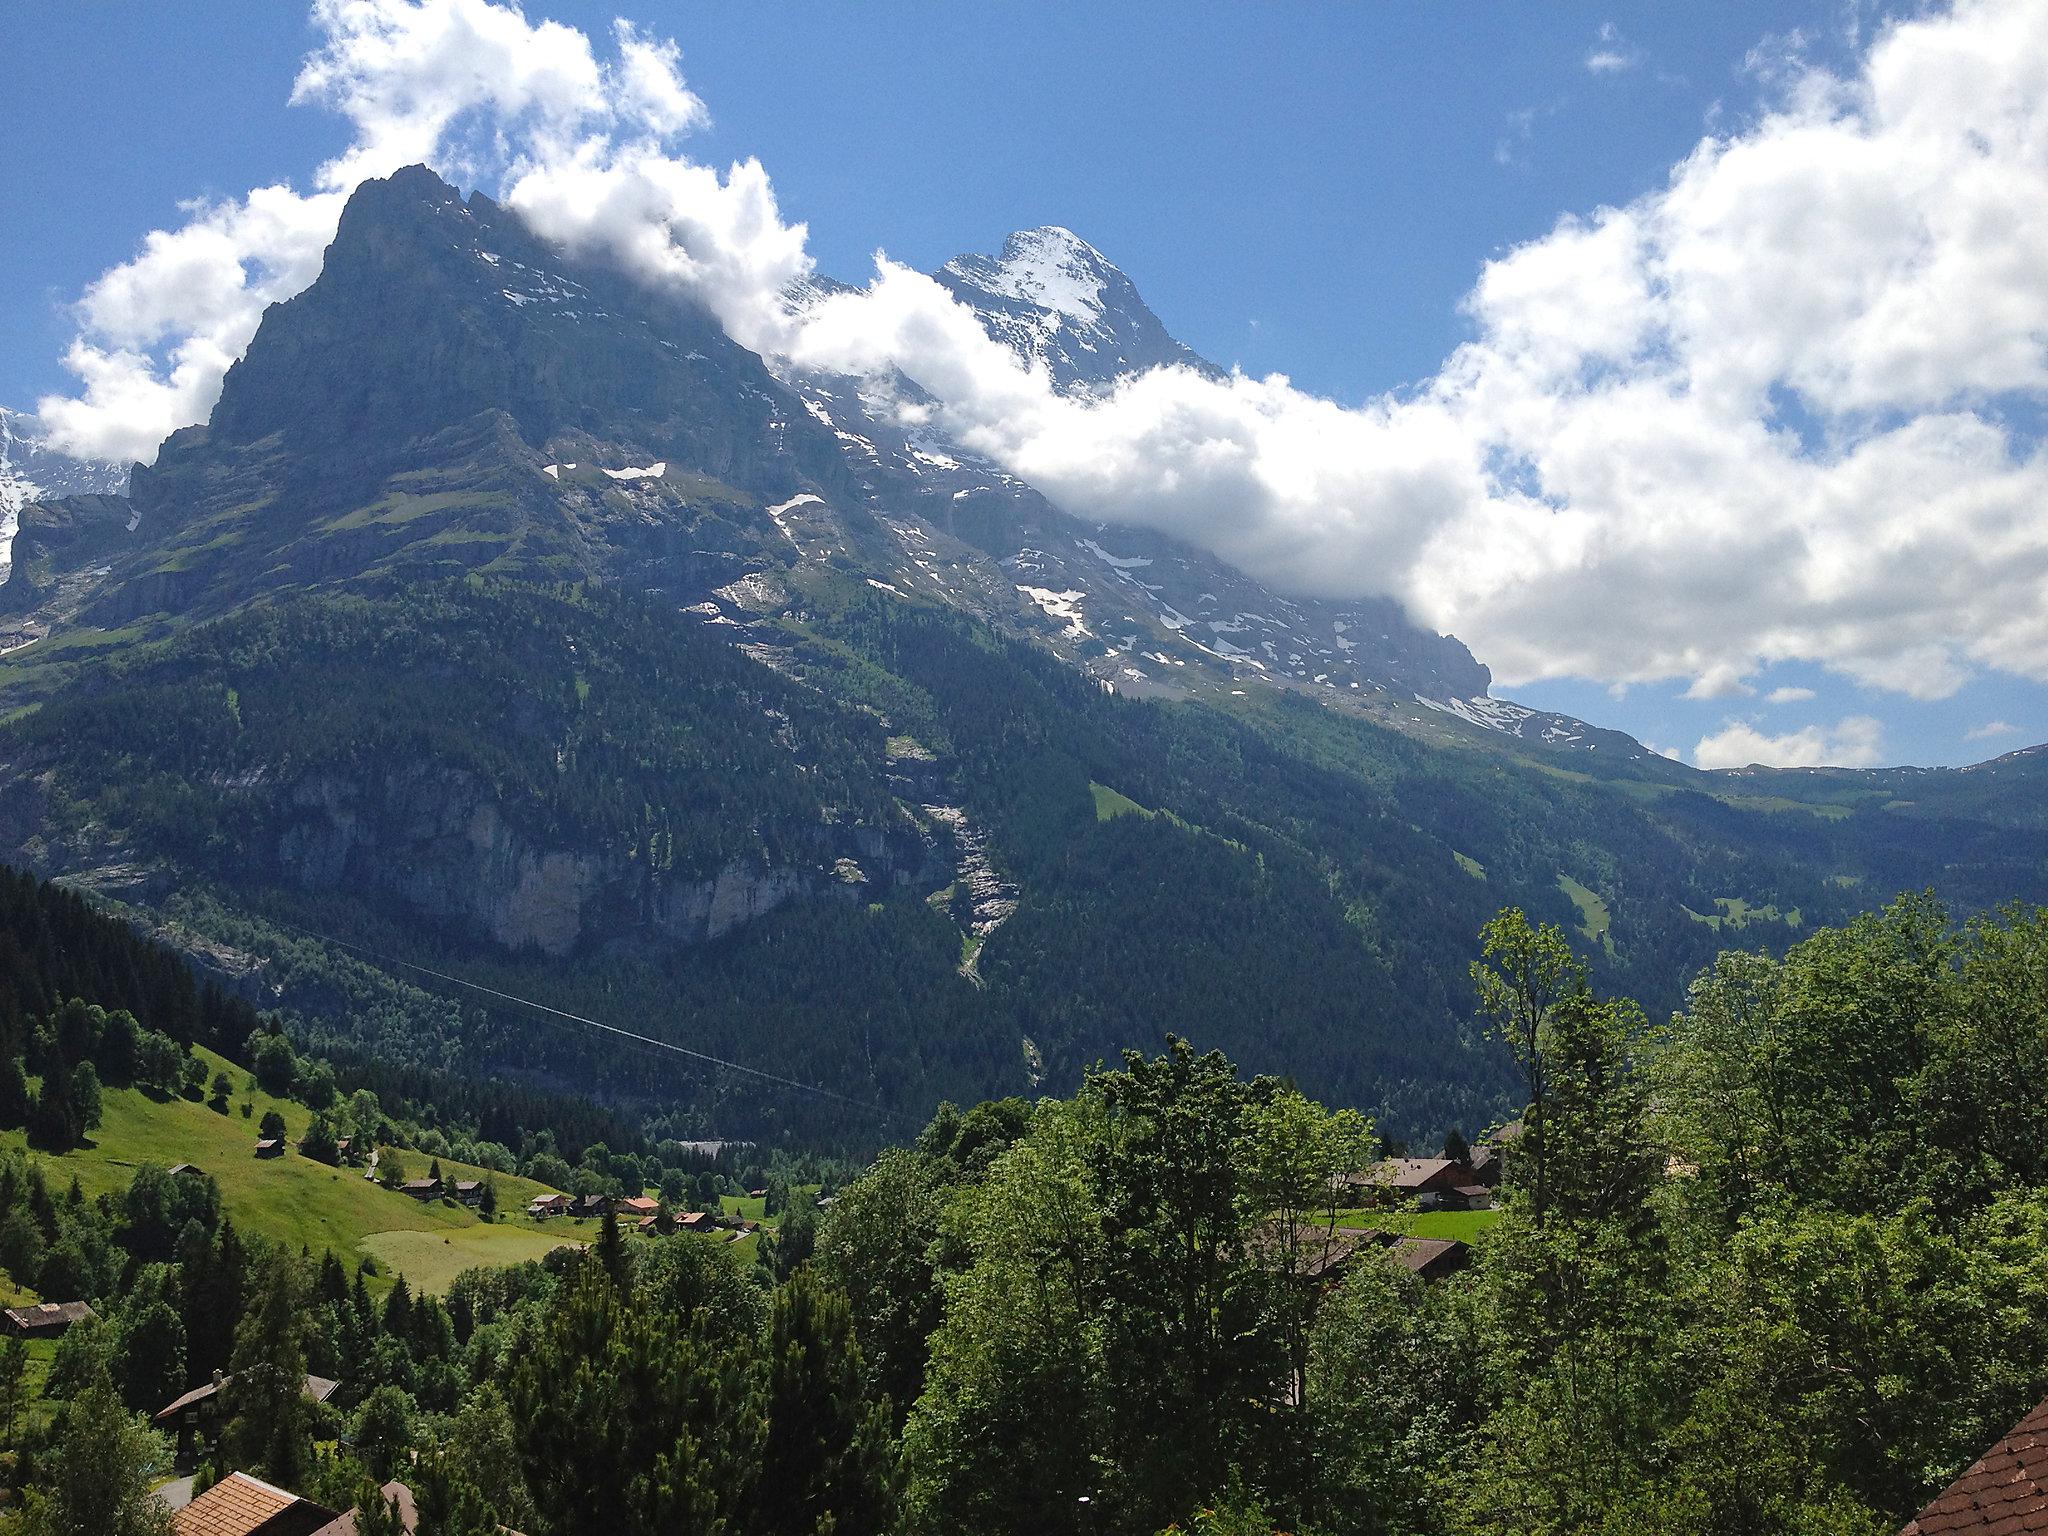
1057	300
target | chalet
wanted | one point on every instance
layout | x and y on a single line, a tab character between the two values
1431	1257
195	1415
637	1206
421	1189
48	1319
270	1146
469	1191
647	1223
180	1170
545	1206
1469	1197
757	1194
694	1221
1484	1162
2004	1491
586	1206
1428	1181
240	1505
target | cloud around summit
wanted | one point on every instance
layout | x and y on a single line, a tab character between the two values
1775	409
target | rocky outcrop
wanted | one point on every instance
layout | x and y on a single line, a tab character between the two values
436	841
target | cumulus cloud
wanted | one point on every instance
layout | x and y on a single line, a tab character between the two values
1991	730
1763	413
468	86
1855	742
1788	695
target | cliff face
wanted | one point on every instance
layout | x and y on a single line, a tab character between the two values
435	841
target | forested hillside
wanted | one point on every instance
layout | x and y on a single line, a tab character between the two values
1770	1268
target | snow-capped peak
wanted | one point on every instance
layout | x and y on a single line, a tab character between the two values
1049	267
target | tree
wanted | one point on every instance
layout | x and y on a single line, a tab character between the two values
391	1171
827	1467
100	1474
269	1424
273	1063
384	1430
487	1199
149	1341
217	1098
320	1143
1522	973
611	1248
876	1247
271	1127
13	1385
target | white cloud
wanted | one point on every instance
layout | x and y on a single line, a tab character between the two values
1856	742
1788	695
1757	415
1990	730
1612	54
467	86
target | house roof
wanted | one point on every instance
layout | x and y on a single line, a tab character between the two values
318	1388
178	1168
264	1143
240	1505
47	1314
2004	1491
1421	1254
640	1204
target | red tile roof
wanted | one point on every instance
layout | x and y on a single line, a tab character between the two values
2004	1494
239	1505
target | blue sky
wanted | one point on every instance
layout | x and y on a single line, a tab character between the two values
1309	189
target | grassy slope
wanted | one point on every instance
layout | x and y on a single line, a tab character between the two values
300	1203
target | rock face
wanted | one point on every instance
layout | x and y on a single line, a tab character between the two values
435	840
1054	299
31	470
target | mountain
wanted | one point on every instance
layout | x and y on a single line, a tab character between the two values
31	470
1056	300
509	620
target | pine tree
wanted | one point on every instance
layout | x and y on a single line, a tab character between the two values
611	1248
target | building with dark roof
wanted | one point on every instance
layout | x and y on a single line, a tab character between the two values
2004	1493
48	1319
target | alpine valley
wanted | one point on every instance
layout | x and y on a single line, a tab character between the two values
508	619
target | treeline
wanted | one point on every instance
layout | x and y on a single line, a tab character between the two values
1773	1268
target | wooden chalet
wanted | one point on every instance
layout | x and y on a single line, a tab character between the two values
194	1416
469	1191
585	1207
2004	1492
636	1206
270	1146
694	1221
180	1170
421	1189
544	1206
48	1319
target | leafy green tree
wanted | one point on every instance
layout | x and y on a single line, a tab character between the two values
384	1430
149	1341
877	1246
1523	972
100	1474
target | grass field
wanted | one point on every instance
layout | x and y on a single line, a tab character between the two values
1594	920
300	1203
1463	1225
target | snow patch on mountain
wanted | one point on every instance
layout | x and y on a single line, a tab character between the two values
31	471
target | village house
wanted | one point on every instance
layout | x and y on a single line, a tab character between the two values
694	1221
48	1319
637	1206
586	1207
544	1206
179	1170
469	1191
270	1146
1432	1183
421	1189
241	1505
194	1417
